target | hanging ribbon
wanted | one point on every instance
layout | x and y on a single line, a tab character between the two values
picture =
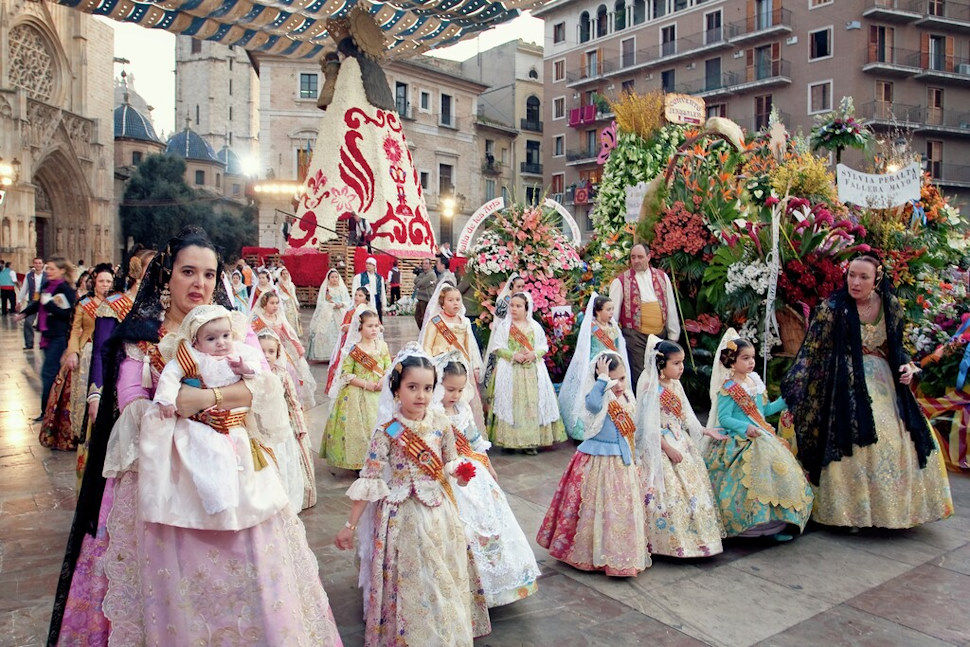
919	214
774	267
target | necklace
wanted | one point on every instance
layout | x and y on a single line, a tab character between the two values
865	312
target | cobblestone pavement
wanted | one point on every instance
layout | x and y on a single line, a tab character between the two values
828	587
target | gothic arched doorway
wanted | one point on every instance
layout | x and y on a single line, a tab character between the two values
61	207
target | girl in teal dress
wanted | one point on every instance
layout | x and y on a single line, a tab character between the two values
760	487
598	333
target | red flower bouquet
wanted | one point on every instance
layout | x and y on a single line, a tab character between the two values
465	471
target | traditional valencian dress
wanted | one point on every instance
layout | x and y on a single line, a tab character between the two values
861	435
593	339
504	557
226	482
353	410
421	583
293	350
683	518
595	521
333	303
439	336
759	485
524	413
289	303
66	407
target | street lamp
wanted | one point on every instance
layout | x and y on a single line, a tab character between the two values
9	172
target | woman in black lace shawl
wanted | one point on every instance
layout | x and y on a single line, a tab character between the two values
861	435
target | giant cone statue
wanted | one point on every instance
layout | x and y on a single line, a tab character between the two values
366	168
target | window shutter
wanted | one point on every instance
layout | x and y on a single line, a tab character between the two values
873	43
924	50
750	16
750	65
949	54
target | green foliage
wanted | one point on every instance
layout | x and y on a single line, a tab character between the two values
158	203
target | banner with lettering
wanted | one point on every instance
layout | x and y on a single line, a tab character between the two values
879	191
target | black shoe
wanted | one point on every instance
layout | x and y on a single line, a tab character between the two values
28	348
39	418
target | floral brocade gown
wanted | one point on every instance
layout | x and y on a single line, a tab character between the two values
353	415
684	520
421	583
882	485
575	428
527	431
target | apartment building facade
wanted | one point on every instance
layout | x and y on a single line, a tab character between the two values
905	63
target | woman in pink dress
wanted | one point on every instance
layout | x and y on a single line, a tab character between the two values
133	582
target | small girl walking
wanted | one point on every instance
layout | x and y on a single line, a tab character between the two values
360	300
299	474
596	519
421	584
682	514
760	487
524	413
355	392
597	333
332	302
504	557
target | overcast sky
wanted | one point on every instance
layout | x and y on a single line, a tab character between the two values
152	56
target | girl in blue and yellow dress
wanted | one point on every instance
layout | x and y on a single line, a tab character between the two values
760	487
596	519
597	333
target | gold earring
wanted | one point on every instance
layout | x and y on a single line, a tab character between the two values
165	298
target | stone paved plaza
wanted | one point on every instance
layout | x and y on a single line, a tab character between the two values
877	588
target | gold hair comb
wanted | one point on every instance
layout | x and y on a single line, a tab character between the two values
731	345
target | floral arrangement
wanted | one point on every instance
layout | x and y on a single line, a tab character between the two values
402	307
465	471
838	130
936	340
527	240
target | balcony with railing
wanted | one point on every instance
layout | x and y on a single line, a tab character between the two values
920	119
765	74
953	175
712	86
940	68
592	71
531	125
578	156
900	11
491	166
892	61
661	54
763	24
530	168
946	15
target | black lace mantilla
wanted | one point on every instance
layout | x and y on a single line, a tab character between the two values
825	389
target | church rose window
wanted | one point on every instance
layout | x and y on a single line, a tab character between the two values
31	62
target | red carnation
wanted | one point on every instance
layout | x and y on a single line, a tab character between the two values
465	471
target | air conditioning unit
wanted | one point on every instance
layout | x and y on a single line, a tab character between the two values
963	68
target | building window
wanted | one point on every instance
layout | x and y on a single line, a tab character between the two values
558	184
812	4
712	74
602	21
218	180
446	188
559	108
667	81
716	110
937	53
934	106
489	190
532	195
196	114
820	44
584	27
659	8
559	32
639	11
668	40
559	70
712	27
558	144
425	101
401	99
762	111
619	15
592	63
135	158
591	148
627	86
196	46
628	54
532	157
236	189
819	97
200	178
425	179
532	106
934	158
230	113
881	42
884	100
763	10
447	118
937	7
230	85
308	85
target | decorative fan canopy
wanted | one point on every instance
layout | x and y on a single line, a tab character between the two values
298	28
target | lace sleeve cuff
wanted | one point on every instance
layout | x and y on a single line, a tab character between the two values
365	489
